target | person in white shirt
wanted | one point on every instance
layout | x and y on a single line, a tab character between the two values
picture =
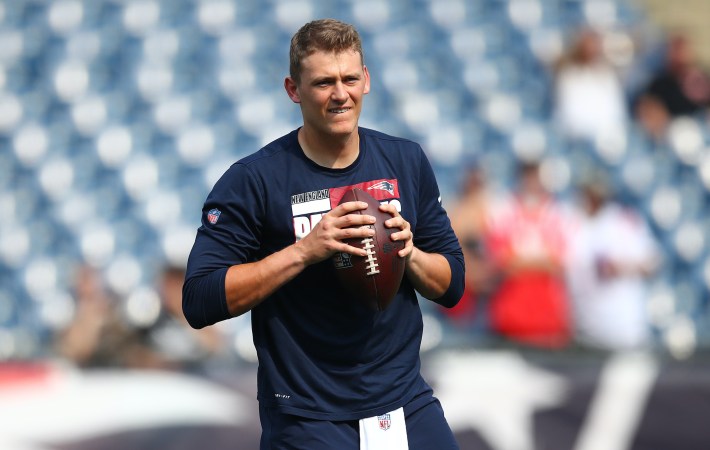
613	254
589	99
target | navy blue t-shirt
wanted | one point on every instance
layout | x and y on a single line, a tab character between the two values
321	354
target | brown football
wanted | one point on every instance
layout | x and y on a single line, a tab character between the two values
374	279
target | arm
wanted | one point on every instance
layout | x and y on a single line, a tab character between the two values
224	275
247	285
515	263
431	274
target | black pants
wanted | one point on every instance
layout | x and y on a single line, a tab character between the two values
427	429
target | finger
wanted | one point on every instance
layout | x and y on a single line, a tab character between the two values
355	220
356	251
348	207
407	250
404	235
389	208
360	232
399	222
396	222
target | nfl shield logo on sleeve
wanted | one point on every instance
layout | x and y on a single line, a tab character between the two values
385	421
213	215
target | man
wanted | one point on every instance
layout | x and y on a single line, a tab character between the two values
332	374
680	87
612	257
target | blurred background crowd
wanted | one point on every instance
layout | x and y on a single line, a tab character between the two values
570	138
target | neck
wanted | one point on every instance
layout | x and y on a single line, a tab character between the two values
331	151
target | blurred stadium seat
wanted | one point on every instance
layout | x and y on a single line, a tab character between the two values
117	117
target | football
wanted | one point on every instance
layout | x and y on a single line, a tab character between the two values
375	278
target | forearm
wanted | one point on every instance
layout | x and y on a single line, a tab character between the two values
226	292
516	264
247	285
429	273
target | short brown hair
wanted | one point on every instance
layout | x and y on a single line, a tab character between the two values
329	35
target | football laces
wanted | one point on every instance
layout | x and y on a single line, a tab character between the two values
371	259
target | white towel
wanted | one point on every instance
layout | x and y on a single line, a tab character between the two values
385	432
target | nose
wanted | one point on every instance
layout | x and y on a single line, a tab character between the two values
339	94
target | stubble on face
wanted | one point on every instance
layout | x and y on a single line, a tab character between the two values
331	91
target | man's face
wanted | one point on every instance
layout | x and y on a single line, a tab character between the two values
330	92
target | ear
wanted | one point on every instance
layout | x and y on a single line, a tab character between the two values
292	90
367	80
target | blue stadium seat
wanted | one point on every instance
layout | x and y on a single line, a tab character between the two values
103	163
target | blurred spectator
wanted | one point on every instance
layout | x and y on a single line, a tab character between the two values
469	219
652	116
612	254
181	346
589	99
101	336
528	242
98	336
680	87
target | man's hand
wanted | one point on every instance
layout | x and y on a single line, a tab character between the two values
339	224
429	273
405	233
248	284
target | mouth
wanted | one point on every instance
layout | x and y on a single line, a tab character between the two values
341	110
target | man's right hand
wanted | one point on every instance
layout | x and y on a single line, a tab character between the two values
328	236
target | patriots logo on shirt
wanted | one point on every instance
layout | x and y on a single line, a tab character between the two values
383	186
385	421
213	215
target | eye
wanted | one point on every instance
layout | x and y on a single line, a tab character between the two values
322	83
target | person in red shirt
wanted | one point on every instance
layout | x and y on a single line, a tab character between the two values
527	242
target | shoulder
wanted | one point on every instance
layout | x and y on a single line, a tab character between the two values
399	152
383	139
253	169
272	153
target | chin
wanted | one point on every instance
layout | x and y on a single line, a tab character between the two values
344	128
340	132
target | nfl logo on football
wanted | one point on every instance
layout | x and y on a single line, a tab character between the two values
385	422
342	260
